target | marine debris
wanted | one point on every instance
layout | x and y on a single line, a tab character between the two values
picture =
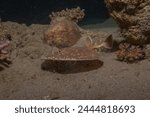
133	17
73	14
130	53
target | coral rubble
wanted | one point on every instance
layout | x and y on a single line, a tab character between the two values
62	33
130	53
74	14
133	17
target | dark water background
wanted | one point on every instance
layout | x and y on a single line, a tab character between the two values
37	11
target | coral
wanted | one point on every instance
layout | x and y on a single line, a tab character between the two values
62	33
133	18
144	26
74	14
130	53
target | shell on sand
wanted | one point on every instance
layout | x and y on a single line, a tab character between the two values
62	33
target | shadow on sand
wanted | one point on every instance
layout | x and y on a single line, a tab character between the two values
70	67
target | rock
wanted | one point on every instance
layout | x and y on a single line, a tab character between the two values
133	18
62	33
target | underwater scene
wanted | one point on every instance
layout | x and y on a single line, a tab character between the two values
75	49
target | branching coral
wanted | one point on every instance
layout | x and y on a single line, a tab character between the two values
130	53
74	14
133	18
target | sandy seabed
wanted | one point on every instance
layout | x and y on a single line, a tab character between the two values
24	78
